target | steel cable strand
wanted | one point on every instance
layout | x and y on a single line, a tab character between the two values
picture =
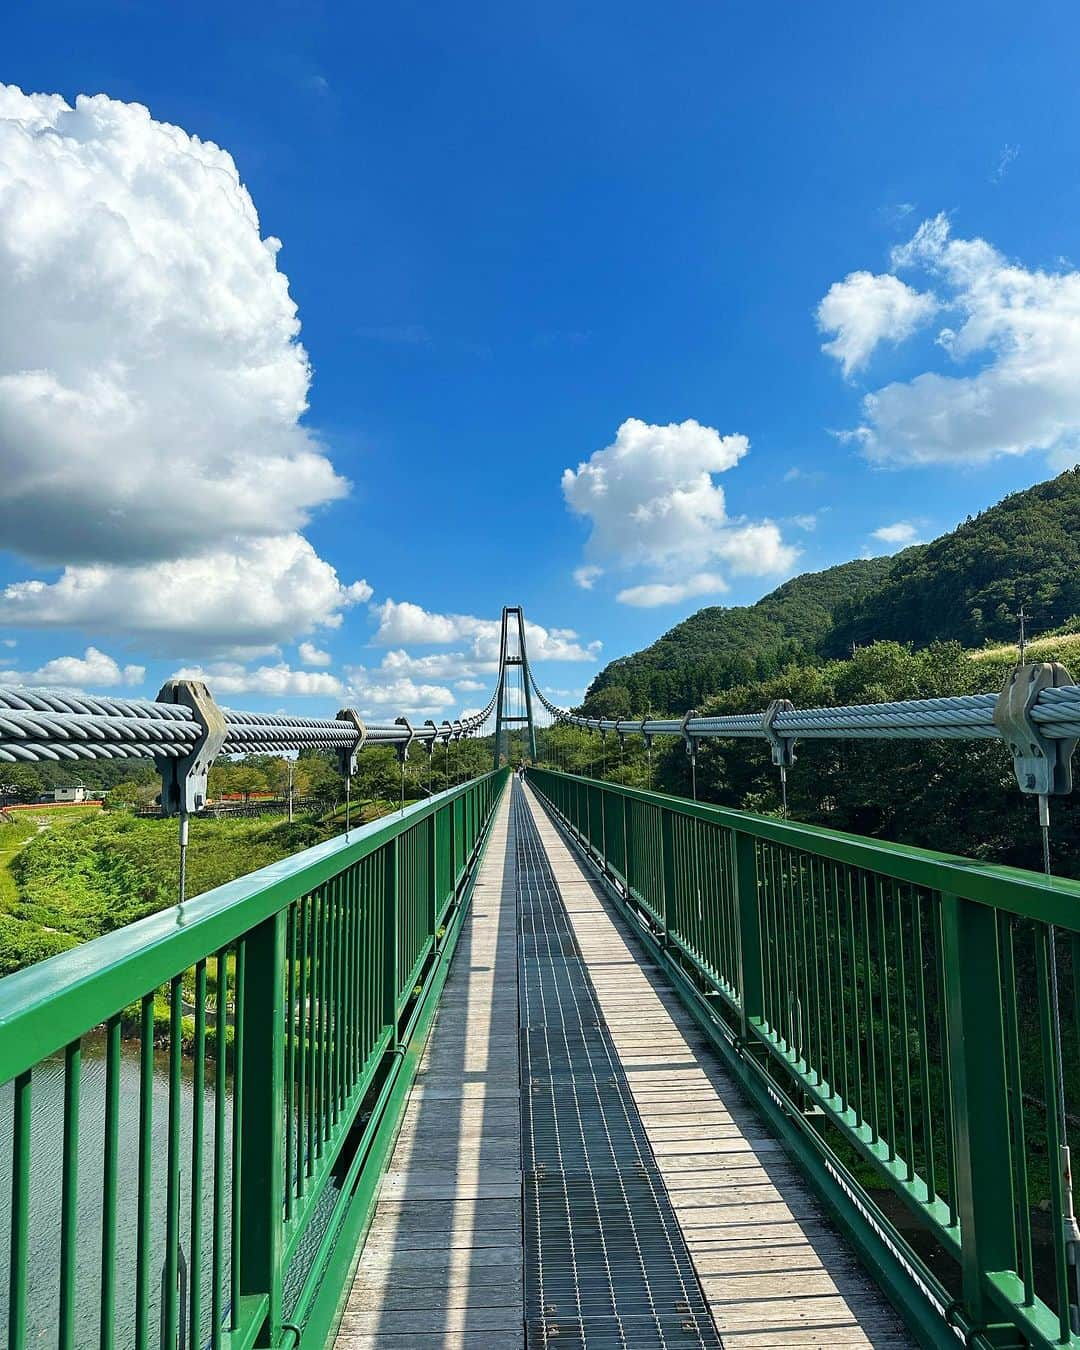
59	727
27	698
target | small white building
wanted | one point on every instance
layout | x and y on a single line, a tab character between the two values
69	794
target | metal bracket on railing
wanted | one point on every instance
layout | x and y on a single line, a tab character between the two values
691	749
429	746
183	780
646	736
783	747
402	747
347	758
1042	766
687	735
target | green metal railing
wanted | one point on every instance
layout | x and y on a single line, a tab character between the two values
198	1105
894	1013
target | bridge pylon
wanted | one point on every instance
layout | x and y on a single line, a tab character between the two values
507	715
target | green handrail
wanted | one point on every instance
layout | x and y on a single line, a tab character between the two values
207	1184
891	1011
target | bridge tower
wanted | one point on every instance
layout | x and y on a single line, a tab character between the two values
505	715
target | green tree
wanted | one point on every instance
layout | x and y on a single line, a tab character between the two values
19	783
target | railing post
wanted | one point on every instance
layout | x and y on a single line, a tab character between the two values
626	842
390	943
451	843
668	908
751	981
263	1112
976	1037
433	875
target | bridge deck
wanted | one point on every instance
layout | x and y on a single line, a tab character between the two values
686	1225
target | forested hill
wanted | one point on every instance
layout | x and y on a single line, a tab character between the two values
965	586
719	647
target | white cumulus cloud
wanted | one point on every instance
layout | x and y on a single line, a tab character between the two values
864	309
403	621
310	655
901	533
1014	332
651	594
239	602
277	681
436	665
651	501
375	695
587	576
93	670
152	386
151	377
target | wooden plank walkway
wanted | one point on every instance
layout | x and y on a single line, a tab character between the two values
442	1267
443	1264
775	1273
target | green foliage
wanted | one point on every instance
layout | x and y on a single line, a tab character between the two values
76	883
20	783
23	943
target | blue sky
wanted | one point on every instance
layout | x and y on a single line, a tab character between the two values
510	231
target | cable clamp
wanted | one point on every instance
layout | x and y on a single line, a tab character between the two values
646	736
1042	765
429	746
402	747
347	758
783	747
183	780
687	735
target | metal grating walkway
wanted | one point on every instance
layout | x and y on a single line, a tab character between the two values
606	1264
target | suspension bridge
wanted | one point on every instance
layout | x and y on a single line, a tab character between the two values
550	1061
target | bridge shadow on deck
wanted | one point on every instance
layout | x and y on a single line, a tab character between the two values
442	1266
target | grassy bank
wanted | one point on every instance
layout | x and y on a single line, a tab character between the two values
66	877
